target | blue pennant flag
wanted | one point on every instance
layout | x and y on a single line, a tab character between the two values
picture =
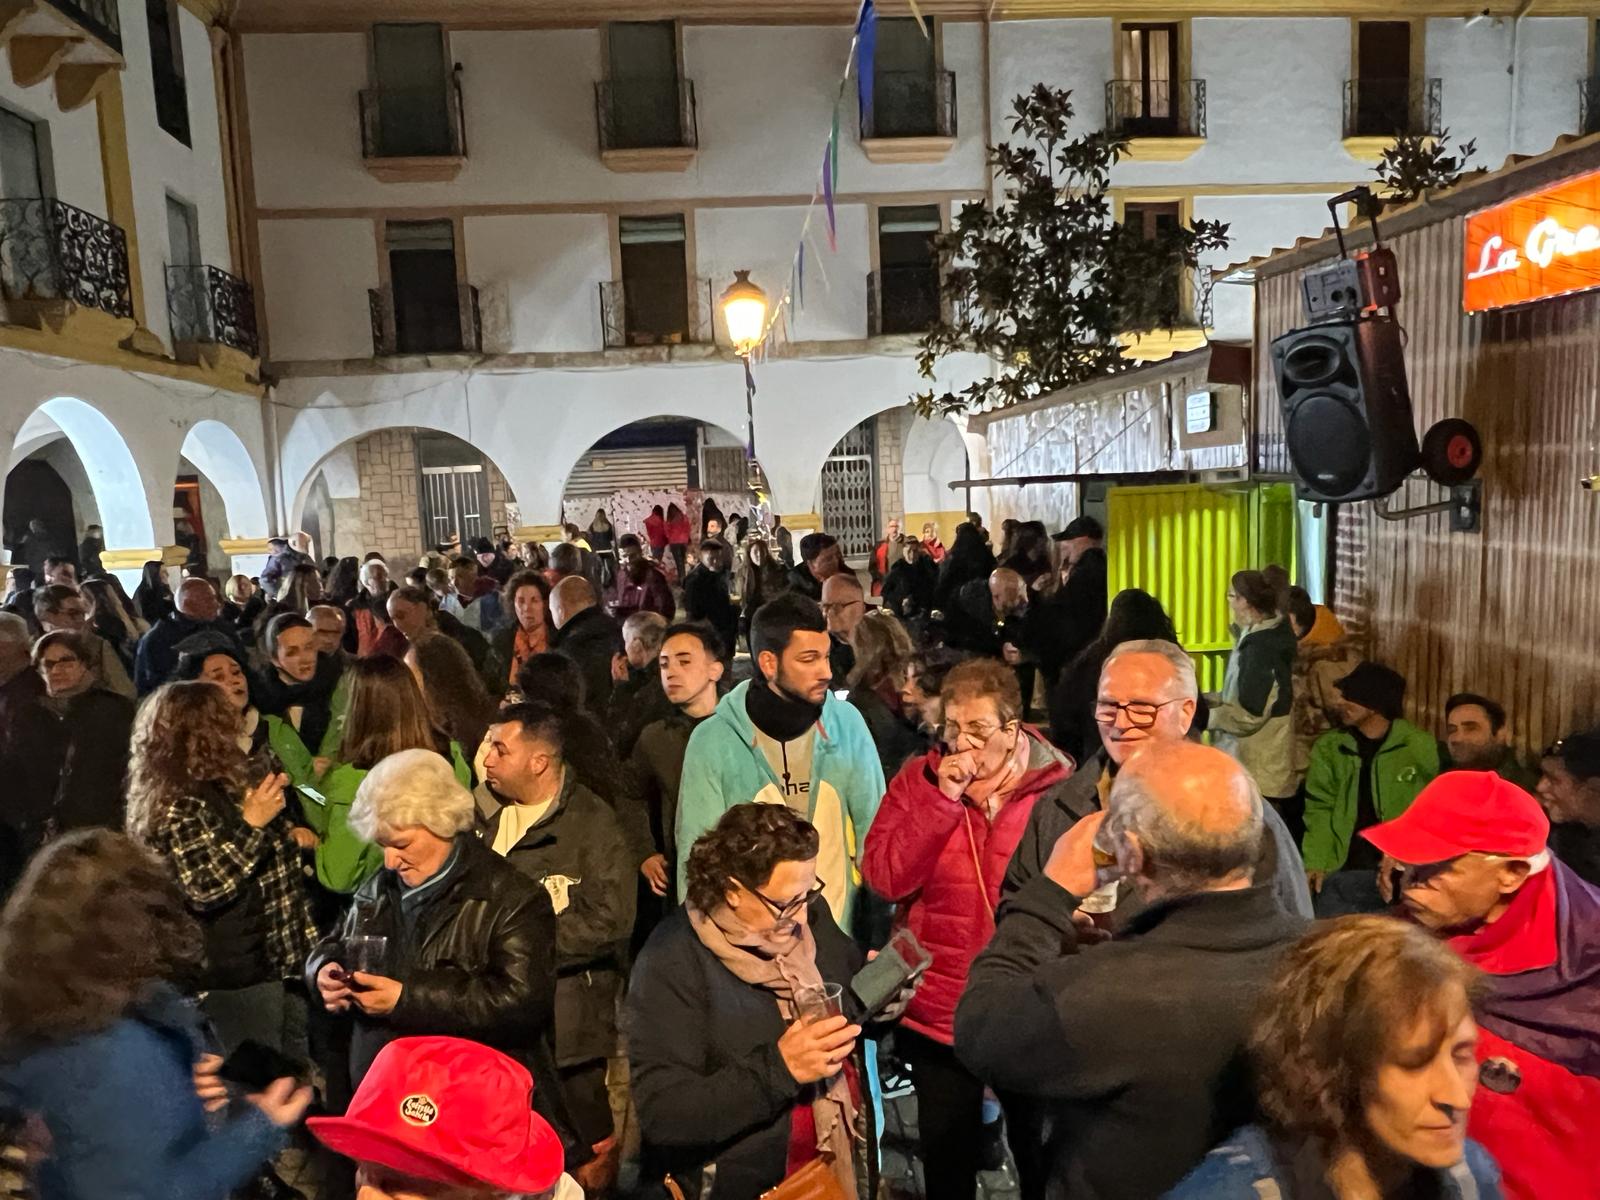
866	54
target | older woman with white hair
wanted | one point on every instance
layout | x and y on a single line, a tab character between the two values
447	939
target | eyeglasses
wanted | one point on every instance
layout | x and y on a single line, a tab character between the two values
976	736
1140	713
786	911
840	606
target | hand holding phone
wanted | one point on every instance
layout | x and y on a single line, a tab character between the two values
255	1066
890	979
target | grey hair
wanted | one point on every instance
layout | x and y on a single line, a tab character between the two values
407	789
14	629
1177	658
1181	857
647	627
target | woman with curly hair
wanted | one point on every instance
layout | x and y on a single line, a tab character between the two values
528	629
98	1042
1363	1048
235	854
727	1073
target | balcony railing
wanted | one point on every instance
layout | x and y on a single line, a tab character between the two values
1137	108
1589	104
909	104
425	321
413	122
646	113
903	300
53	251
652	319
206	304
98	17
1392	107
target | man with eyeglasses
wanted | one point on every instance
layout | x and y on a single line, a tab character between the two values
844	604
1476	870
60	606
1148	696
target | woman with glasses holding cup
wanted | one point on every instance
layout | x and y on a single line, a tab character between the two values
742	1033
939	848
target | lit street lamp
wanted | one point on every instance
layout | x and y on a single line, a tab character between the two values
744	307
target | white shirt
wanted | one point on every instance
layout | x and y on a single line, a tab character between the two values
516	820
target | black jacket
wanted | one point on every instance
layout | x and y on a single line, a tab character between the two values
1072	700
708	1080
650	820
895	737
576	853
972	626
800	579
158	649
64	772
636	702
705	598
1073	616
313	698
591	639
908	588
473	642
1137	1046
477	961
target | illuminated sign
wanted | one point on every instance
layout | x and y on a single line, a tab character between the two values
1544	244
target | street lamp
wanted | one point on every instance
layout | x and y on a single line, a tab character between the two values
744	307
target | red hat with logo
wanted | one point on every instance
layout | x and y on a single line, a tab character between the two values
451	1111
1460	812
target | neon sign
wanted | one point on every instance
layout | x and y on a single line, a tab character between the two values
1543	244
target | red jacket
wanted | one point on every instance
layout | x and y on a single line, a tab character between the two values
922	853
651	594
655	532
678	531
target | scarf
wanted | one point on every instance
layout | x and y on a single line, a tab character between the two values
783	970
525	645
779	715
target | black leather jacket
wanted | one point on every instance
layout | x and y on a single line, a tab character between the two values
477	959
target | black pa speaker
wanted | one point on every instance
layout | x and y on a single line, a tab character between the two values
1346	409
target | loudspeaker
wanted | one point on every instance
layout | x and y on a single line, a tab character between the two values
1346	409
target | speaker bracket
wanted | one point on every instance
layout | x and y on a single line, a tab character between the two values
1465	506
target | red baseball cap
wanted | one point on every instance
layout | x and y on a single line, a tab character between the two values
1463	811
451	1111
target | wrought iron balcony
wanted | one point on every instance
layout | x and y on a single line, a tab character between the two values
419	122
98	17
903	300
425	321
911	104
646	114
1388	108
52	251
206	304
1156	108
648	316
1589	104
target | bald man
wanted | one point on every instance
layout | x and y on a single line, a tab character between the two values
1135	1049
198	609
587	635
844	604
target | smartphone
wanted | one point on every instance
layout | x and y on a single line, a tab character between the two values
254	1065
899	963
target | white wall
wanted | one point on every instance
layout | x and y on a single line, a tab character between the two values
1256	224
161	164
315	276
73	138
538	275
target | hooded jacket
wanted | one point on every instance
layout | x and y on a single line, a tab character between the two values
725	766
1322	658
1251	719
942	861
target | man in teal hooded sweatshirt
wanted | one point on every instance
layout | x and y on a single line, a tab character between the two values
785	738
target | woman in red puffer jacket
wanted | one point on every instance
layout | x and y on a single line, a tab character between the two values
938	848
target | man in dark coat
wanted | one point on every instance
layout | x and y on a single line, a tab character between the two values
820	557
705	594
89	552
566	839
640	585
585	634
1137	1047
1072	617
198	610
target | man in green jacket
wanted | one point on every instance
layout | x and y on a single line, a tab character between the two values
1361	775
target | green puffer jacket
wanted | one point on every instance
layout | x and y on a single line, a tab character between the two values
345	860
1405	764
298	762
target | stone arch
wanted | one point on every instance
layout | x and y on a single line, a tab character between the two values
114	476
934	455
737	433
221	457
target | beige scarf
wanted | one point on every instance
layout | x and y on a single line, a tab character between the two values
783	968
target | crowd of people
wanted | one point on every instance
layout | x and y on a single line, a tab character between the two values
540	871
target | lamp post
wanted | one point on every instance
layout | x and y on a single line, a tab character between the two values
744	307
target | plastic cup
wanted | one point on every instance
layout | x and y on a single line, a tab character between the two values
819	1003
365	953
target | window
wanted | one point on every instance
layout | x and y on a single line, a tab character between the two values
905	295
1154	219
1383	105
166	68
183	233
413	98
22	158
426	296
1147	97
904	82
655	279
643	93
